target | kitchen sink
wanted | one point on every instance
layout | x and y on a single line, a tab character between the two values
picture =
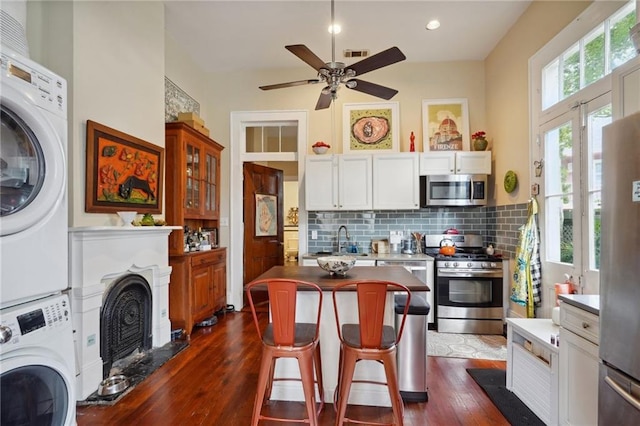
329	253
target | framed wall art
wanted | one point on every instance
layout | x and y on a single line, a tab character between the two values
372	127
266	215
123	172
445	125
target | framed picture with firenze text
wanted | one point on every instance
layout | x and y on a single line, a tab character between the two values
445	125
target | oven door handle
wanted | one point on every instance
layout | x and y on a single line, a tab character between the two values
468	274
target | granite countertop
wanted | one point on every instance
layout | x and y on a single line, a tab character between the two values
587	302
375	256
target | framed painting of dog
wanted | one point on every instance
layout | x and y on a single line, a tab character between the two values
123	172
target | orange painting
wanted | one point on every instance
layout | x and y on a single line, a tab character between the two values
122	172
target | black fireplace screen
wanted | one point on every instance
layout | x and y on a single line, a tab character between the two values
125	322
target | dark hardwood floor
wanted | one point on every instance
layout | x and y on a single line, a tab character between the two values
212	382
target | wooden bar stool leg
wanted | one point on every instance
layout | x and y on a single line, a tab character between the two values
305	361
390	368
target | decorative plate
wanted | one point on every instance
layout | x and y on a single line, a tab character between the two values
510	181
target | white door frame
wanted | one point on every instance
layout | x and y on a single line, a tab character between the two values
240	120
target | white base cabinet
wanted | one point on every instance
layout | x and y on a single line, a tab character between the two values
532	365
579	363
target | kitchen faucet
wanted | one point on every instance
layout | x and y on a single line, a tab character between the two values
346	234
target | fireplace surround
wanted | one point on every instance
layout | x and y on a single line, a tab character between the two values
100	260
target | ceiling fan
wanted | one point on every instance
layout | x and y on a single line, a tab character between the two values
333	73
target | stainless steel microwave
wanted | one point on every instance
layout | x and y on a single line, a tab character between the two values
453	190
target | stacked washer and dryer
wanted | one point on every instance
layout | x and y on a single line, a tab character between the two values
37	362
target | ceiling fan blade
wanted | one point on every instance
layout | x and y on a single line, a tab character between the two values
324	101
373	89
379	60
303	52
289	84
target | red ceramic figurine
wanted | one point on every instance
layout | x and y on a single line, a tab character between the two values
412	147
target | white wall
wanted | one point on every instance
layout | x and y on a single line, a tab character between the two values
112	55
507	92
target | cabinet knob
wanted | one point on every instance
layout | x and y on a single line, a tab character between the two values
585	324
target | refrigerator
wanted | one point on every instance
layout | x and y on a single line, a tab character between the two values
619	377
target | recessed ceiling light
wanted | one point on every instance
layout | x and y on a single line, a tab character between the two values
433	24
335	28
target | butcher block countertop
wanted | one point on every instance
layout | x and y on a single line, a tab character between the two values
326	282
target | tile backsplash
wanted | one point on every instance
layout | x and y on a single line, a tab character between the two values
497	225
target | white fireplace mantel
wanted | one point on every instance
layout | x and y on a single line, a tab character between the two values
98	256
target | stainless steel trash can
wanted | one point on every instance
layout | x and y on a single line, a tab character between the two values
412	349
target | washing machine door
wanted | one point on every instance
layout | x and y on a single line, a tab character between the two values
32	163
35	390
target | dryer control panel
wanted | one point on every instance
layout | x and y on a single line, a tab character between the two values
45	88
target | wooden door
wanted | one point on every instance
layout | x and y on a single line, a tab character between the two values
263	222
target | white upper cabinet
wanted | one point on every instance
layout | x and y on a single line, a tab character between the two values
626	89
396	181
338	182
455	162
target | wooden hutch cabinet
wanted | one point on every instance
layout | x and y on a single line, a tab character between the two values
198	279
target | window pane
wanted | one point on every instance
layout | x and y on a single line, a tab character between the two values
559	227
571	71
558	193
289	139
595	204
550	81
254	139
596	121
594	54
621	46
272	139
558	160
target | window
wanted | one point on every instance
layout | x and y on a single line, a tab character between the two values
272	137
604	48
574	68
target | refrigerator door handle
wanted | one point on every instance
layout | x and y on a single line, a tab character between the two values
624	394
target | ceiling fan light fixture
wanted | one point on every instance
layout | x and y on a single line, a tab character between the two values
351	84
434	24
326	90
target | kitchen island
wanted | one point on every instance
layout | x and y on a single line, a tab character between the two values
362	394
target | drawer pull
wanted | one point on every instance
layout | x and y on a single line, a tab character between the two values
585	324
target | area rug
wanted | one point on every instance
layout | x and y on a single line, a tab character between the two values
493	382
478	346
139	369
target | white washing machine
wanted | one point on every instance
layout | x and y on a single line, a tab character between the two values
33	181
37	364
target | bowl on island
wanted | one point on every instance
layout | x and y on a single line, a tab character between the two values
336	265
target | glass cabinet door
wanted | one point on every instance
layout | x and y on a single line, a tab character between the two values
210	179
192	193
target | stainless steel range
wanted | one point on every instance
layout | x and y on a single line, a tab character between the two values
469	285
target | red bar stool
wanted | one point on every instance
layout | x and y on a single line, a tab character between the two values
285	338
370	339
